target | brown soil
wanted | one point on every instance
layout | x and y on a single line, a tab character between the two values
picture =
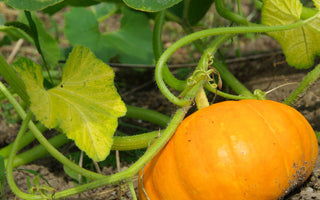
263	71
260	72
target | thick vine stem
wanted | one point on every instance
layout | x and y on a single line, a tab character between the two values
28	137
222	94
158	49
147	115
10	178
43	141
121	143
125	143
232	81
205	33
304	85
38	151
201	99
230	15
134	168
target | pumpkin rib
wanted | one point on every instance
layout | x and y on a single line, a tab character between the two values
274	133
305	170
184	180
300	173
252	110
248	149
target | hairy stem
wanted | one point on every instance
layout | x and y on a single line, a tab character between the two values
232	81
205	33
133	169
14	188
158	49
122	143
140	141
43	141
38	151
232	16
304	85
28	137
147	115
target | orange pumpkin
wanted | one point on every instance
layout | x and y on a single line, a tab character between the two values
244	150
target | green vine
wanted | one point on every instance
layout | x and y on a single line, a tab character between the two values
158	50
191	90
304	85
205	33
10	178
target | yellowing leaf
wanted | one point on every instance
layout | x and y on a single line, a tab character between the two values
317	3
300	45
85	105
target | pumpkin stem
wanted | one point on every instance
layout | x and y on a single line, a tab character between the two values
201	99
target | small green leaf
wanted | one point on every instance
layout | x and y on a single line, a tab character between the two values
31	5
85	105
150	5
300	45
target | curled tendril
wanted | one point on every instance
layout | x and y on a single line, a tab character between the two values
200	74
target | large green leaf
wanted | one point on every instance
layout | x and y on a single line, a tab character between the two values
86	32
300	45
85	105
150	5
57	7
31	5
20	29
132	43
195	12
49	46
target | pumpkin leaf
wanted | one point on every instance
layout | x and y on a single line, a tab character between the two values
78	3
49	45
195	12
150	5
20	29
85	105
300	45
132	43
31	5
317	4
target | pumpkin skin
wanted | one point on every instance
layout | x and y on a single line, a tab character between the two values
244	150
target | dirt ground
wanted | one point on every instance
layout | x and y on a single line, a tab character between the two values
266	72
264	69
